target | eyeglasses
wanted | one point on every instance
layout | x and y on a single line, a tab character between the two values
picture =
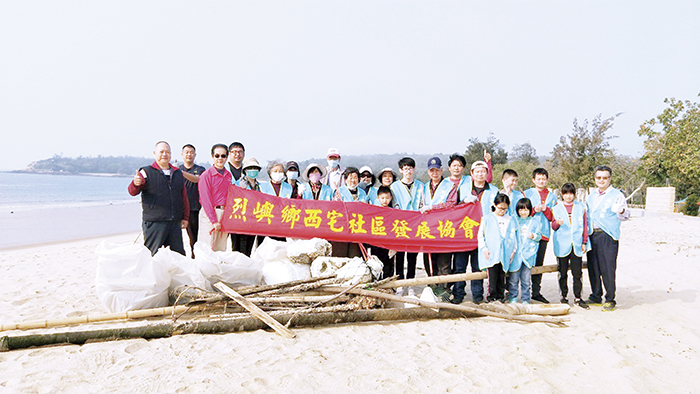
602	177
365	176
220	156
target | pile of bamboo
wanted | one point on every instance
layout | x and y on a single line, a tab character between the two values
312	302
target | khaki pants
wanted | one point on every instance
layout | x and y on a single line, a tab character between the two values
216	240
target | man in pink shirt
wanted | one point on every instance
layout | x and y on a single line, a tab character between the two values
213	188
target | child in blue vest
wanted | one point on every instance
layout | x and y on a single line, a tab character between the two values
497	246
543	200
529	235
385	198
570	237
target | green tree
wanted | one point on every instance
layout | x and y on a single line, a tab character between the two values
576	155
476	148
672	154
525	153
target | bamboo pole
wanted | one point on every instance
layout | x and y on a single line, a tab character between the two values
234	324
257	312
251	289
444	305
154	312
433	280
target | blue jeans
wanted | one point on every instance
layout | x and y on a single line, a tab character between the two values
522	276
477	286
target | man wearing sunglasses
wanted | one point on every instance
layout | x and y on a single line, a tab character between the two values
213	188
166	208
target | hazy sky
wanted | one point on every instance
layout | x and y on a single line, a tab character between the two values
291	78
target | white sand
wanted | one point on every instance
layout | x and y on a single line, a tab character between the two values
649	344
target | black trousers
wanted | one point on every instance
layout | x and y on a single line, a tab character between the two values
439	264
165	233
576	264
602	264
411	259
497	282
383	256
242	243
345	249
193	229
537	279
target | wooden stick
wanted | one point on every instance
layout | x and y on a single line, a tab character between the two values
171	310
301	288
432	280
257	312
444	305
250	289
233	324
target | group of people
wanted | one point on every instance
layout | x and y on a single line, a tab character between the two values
515	229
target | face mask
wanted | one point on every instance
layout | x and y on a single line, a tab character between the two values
277	177
333	163
315	177
353	188
292	175
252	173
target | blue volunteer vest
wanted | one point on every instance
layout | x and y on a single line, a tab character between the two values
550	202
285	189
499	247
326	193
569	234
407	199
441	193
527	248
486	198
347	196
515	196
600	213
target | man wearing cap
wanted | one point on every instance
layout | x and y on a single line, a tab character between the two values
607	207
334	173
166	209
291	170
249	180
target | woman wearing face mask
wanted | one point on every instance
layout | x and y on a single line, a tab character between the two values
386	176
367	179
349	191
251	170
292	172
277	186
315	189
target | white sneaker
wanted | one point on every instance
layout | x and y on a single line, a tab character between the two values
411	292
399	291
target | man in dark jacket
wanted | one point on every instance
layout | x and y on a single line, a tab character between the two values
166	208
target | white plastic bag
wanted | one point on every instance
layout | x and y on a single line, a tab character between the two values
306	250
232	268
129	279
270	250
182	269
282	271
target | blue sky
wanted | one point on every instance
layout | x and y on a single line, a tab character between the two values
292	78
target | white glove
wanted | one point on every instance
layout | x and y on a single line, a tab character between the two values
617	208
301	189
425	208
470	198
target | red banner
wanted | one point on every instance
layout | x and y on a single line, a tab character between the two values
445	230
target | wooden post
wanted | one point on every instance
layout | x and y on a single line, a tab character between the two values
257	312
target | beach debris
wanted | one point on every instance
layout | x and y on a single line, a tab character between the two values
306	251
355	270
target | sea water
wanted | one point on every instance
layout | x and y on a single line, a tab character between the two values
20	191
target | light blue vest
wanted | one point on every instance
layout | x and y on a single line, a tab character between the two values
527	248
246	185
550	202
406	199
515	196
569	234
487	196
499	247
326	193
285	189
441	193
347	196
600	213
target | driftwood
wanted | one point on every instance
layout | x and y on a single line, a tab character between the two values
301	287
433	280
233	324
257	312
444	305
252	289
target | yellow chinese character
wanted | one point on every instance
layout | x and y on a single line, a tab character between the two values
446	229
333	219
423	231
356	224
290	214
264	211
378	226
401	229
312	219
468	225
239	204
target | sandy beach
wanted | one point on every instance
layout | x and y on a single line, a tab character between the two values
649	344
